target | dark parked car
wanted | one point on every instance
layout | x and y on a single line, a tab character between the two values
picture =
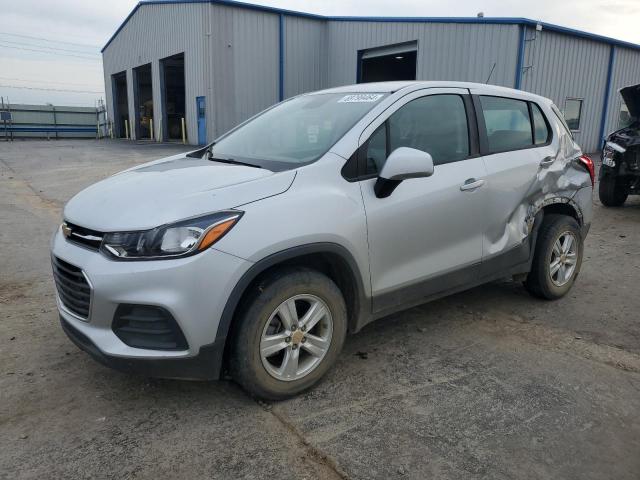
620	172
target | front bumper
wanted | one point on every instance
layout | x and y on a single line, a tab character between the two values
194	290
206	365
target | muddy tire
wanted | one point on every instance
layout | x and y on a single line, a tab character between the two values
557	258
290	333
611	191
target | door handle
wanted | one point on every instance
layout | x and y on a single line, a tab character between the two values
547	161
471	184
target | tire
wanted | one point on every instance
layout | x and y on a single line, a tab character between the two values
264	318
553	282
611	191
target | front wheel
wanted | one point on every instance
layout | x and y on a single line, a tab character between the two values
557	258
290	333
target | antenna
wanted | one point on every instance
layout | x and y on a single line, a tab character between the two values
491	72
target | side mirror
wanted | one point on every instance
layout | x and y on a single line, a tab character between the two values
403	163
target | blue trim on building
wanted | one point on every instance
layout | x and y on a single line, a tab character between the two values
281	59
520	59
607	92
475	20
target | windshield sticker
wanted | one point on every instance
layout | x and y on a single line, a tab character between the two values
361	98
312	133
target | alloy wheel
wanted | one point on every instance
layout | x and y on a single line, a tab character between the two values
296	337
564	257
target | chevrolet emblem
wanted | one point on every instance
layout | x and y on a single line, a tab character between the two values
66	230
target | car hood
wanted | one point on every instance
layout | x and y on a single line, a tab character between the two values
169	190
631	97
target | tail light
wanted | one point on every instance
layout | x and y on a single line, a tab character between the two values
586	161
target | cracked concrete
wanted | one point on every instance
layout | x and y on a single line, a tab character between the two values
489	383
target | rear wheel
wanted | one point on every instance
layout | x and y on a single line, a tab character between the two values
557	259
612	191
290	334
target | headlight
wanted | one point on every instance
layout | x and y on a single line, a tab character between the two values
179	239
607	157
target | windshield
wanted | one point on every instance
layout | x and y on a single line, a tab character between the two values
297	131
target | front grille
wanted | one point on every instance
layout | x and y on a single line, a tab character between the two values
73	289
150	327
82	236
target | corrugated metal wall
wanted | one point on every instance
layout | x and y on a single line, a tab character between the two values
305	55
232	56
461	52
626	71
243	64
559	66
152	33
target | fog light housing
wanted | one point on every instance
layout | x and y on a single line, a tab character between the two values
148	327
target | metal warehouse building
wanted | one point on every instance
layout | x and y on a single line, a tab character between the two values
215	63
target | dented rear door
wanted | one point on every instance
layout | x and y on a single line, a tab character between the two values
514	162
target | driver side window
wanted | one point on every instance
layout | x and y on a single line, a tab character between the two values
436	124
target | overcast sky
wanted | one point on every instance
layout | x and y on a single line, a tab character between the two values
53	47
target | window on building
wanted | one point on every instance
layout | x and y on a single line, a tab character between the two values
436	124
540	128
507	122
573	112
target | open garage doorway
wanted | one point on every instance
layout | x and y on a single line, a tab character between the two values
173	96
392	62
120	105
143	94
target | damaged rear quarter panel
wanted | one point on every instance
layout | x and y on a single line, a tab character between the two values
521	187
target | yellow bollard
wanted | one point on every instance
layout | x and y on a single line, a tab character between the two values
184	138
126	128
151	128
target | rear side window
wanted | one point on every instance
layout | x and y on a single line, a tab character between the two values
507	122
540	128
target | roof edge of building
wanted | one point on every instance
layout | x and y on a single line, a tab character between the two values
468	20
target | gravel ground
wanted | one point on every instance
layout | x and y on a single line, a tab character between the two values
489	383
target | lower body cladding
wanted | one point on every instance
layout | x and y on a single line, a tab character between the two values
156	318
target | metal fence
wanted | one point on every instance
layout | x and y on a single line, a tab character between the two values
51	121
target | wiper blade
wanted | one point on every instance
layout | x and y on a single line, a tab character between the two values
233	162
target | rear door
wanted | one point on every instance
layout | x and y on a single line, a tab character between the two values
516	142
426	237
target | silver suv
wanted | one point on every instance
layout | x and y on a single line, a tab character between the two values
258	253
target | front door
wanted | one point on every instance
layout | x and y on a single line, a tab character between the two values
202	120
426	237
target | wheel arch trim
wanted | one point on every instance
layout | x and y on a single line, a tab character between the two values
563	201
362	309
